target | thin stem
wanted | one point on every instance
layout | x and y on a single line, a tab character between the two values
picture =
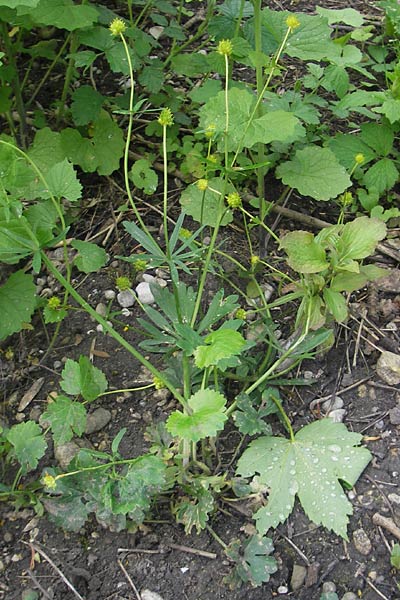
226	108
74	45
15	83
165	194
138	389
108	329
284	416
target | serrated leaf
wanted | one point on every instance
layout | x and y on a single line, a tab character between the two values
143	176
378	136
248	419
310	467
17	3
336	304
86	105
152	78
63	14
46	149
62	182
83	378
253	563
346	147
143	479
315	172
390	108
382	176
66	418
222	343
108	142
305	254
17	303
207	418
205	207
28	444
69	512
194	511
16	240
360	237
90	257
54	315
79	150
348	16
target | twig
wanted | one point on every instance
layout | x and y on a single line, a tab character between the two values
192	550
382	416
125	572
299	552
373	587
382	493
386	523
57	570
313	403
38	584
140	551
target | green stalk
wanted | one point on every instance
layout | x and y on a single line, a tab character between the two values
16	85
74	45
108	329
259	110
284	417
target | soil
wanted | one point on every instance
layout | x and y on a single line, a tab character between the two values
159	557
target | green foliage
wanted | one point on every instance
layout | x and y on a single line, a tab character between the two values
143	176
395	556
84	379
221	344
65	418
17	303
309	467
254	564
28	444
90	258
206	419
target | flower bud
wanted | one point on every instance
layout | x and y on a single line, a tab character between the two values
233	200
117	27
225	47
292	22
166	117
202	184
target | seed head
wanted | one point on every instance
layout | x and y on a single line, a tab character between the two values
158	383
210	130
292	22
225	47
185	234
123	283
54	303
140	264
117	27
359	158
254	260
241	314
233	200
202	184
166	117
49	481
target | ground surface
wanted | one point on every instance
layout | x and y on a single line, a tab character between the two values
159	557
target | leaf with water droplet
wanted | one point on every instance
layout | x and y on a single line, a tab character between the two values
319	452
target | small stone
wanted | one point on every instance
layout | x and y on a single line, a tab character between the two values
394	498
362	542
109	294
20	416
65	453
337	415
161	395
97	420
57	365
101	309
298	577
372	575
282	589
7	537
16	557
2	567
328	587
144	293
388	367
332	404
308	375
268	291
161	274
126	312
126	298
349	596
394	415
312	574
148	595
161	282
149	278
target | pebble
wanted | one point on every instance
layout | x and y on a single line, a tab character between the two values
395	498
109	294
282	589
57	365
126	298
101	309
332	404
144	293
148	595
337	415
388	368
7	537
20	416
149	278
394	415
161	274
2	567
268	291
298	576
97	420
161	395
126	312
328	587
64	453
362	542
350	596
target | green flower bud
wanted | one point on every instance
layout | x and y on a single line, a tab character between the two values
233	200
117	27
166	117
225	47
123	283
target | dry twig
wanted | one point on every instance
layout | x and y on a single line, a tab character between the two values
128	577
386	523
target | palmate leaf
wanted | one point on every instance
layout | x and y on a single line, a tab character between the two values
66	418
90	257
254	564
28	444
207	418
222	343
144	479
315	172
305	254
310	467
195	511
17	303
83	378
86	105
63	14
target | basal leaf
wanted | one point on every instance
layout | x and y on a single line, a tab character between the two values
46	149
348	16
222	343
346	147
382	176
62	182
310	466
277	126
315	172
305	254
378	136
143	479
336	304
194	511
63	14
86	105
108	141
90	257
390	108
248	419
79	150
360	237
66	418
143	176
206	207
207	418
83	378
16	240
254	564
17	3
28	444
17	303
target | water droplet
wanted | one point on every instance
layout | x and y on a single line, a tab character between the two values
292	472
324	470
334	458
315	461
335	449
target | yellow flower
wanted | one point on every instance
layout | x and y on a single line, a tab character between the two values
123	283
49	481
225	47
359	158
292	22
210	130
117	27
158	383
202	184
254	260
166	117
54	303
233	200
185	234
241	314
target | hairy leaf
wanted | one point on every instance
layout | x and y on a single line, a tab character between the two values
83	378
28	444
310	467
90	256
66	418
222	343
17	303
207	418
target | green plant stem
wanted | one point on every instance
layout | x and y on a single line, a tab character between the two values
107	328
74	45
239	18
16	479
142	12
262	224
226	110
284	417
15	83
165	194
138	389
216	537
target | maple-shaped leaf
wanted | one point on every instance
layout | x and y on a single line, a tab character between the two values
222	343
253	563
207	418
310	467
65	417
28	444
83	378
194	510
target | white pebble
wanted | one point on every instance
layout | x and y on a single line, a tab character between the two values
282	589
126	298
144	293
149	278
109	294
